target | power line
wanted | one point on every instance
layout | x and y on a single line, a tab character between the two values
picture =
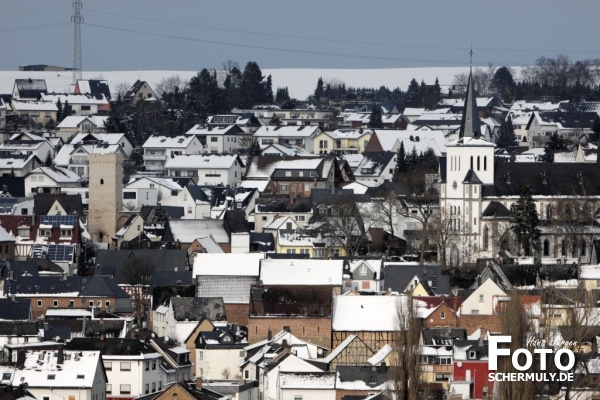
33	27
310	52
39	12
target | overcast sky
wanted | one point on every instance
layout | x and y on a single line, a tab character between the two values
193	34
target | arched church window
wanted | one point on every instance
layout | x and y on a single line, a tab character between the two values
485	163
546	247
471	162
478	164
486	237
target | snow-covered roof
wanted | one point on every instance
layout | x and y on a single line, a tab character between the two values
302	131
353	160
76	371
243	264
335	352
5	236
213	161
163	142
589	272
287	150
63	157
74	99
299	164
366	313
380	355
260	185
73	121
187	230
470	141
68	312
348	133
33	106
565	156
301	272
168	183
108	138
213	130
520	105
421	140
58	174
307	380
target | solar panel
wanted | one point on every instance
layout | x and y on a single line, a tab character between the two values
57	220
61	252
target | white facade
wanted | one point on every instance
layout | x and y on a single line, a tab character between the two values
165	191
158	149
210	363
132	376
268	387
483	299
210	170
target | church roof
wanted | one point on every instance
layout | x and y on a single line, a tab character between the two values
496	210
471	177
470	125
545	179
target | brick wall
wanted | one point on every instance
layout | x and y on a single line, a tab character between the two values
435	320
473	322
237	313
316	330
40	305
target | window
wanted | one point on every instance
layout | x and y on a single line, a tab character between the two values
472	355
442	315
284	188
107	304
125	366
481	298
474	312
39	303
154	364
147	365
108	388
108	365
54	303
362	271
91	303
200	355
214	139
263	218
153	387
146	388
66	232
125	389
51	377
71	303
45	232
246	374
297	397
129	195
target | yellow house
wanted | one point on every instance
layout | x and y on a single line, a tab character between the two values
342	141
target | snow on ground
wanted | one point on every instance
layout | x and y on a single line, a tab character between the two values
300	82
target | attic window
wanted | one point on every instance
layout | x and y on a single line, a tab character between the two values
102	181
80	376
472	354
51	377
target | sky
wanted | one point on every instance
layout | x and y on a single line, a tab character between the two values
190	35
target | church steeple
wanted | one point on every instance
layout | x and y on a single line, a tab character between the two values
470	126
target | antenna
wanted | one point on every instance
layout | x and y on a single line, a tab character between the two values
77	19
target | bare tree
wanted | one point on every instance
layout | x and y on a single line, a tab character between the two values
406	382
346	225
515	324
441	233
573	220
421	209
170	84
136	275
121	88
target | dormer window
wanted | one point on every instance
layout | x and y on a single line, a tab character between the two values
472	354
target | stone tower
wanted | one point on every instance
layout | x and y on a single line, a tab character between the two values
106	195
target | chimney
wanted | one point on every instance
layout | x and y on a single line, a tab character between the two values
20	359
199	383
269	334
60	359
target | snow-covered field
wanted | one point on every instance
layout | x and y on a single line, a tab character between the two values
300	82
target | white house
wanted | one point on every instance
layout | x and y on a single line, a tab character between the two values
219	353
39	112
483	300
158	149
301	136
75	124
28	143
220	139
376	168
51	180
150	190
80	104
211	170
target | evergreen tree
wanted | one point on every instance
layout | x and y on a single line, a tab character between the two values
120	120
59	111
269	90
232	85
48	160
67	110
437	92
506	137
503	83
413	95
527	221
282	96
401	163
252	88
319	90
556	144
376	121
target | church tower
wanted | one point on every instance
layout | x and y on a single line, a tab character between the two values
106	195
469	166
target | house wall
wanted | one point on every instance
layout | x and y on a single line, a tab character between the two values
482	299
211	363
312	394
313	329
435	320
263	218
137	377
41	304
472	323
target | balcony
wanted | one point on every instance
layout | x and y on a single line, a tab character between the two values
155	157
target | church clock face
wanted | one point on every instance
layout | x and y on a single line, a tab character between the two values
454	185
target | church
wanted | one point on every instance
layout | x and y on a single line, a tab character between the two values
478	196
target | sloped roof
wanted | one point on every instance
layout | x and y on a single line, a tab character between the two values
496	210
187	230
365	313
398	277
71	203
196	308
301	272
111	346
31	88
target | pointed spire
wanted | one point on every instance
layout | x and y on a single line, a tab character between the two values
470	125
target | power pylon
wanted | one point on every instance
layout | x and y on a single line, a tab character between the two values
77	19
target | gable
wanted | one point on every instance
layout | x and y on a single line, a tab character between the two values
56	209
